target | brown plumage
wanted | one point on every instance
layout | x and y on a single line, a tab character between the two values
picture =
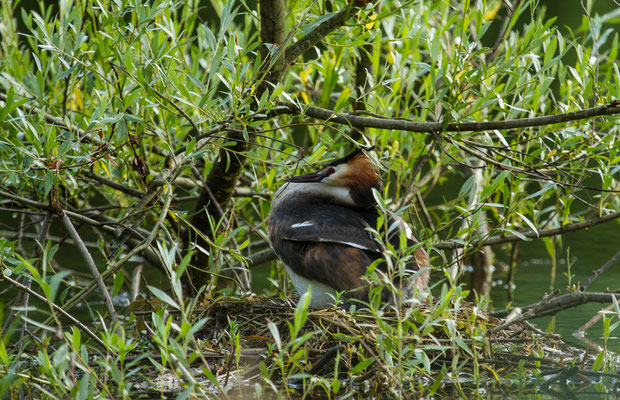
318	228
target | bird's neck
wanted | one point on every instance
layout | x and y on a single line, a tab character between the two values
296	192
362	195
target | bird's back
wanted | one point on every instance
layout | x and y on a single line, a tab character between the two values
329	245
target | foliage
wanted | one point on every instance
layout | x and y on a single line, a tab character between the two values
115	112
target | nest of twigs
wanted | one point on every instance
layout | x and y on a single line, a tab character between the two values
436	351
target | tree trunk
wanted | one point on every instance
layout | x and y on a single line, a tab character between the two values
227	169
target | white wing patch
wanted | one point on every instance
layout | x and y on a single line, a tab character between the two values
408	231
302	225
359	246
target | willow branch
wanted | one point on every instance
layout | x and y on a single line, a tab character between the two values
611	108
107	300
258	258
560	303
272	37
320	32
115	266
56	307
494	240
114	185
599	271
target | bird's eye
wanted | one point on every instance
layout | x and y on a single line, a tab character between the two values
331	170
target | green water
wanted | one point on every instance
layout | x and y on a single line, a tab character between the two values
587	250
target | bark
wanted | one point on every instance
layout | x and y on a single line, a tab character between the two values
482	259
402	124
221	182
554	305
363	69
227	169
276	56
272	36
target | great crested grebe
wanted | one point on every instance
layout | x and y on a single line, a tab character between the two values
318	228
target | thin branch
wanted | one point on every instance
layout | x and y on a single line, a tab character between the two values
502	34
599	271
57	308
320	32
114	267
561	303
107	300
258	258
430	127
530	234
114	185
514	255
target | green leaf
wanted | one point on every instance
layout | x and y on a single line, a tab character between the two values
528	222
362	365
4	357
76	338
316	155
54	283
467	186
4	111
276	335
301	311
598	363
163	297
119	278
212	378
189	147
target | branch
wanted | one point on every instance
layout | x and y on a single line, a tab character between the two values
272	37
449	245
113	185
321	31
599	271
113	267
107	300
430	127
57	308
256	259
563	302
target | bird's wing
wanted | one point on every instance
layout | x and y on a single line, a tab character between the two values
327	223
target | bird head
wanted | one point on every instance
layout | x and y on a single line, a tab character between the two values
354	172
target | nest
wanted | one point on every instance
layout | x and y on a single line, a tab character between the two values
420	351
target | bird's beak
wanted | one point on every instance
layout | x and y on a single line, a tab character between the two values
312	177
